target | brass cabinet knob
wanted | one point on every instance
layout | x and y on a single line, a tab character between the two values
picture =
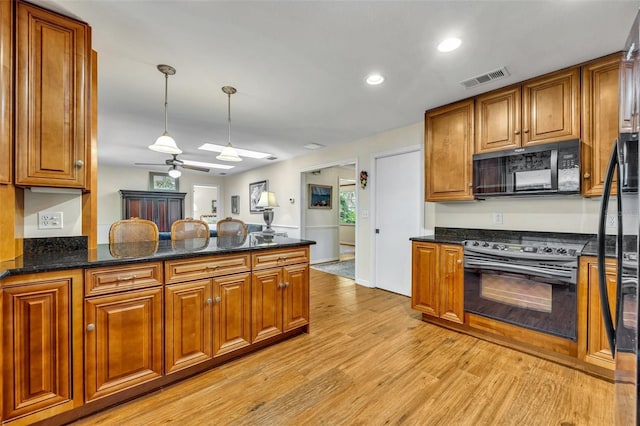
586	175
286	284
526	130
459	261
281	285
517	132
209	301
218	299
91	327
79	163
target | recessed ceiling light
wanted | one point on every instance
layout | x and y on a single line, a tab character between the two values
314	145
241	152
375	79
449	44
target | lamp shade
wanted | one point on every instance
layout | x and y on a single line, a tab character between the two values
267	200
229	154
166	145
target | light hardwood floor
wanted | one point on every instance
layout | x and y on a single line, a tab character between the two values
370	360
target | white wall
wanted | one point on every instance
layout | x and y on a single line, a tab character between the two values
69	204
112	179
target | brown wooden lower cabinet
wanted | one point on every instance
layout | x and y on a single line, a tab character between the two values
41	348
74	342
593	344
279	300
123	341
437	280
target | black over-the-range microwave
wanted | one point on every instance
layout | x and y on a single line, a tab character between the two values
551	168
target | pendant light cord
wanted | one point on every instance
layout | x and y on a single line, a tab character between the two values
229	114
166	102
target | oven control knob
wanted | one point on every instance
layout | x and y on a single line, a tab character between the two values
562	250
485	244
476	243
501	247
547	249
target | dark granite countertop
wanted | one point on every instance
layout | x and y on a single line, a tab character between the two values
458	235
118	254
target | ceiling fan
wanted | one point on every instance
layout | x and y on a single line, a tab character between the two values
175	163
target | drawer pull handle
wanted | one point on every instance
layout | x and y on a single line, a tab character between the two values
212	267
209	301
218	299
126	278
91	327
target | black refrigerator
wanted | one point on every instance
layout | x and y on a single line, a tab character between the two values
620	311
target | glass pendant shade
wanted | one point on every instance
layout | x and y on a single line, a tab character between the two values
166	145
229	154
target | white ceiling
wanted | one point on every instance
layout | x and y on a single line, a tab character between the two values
299	66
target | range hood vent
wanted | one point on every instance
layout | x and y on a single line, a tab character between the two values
485	78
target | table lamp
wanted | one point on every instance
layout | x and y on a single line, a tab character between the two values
268	202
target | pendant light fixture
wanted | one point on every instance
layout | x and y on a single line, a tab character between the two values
228	153
165	143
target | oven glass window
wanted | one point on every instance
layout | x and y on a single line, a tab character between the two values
518	292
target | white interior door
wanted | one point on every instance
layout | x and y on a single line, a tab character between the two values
398	211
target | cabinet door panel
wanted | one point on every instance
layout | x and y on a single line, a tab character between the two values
123	347
52	90
598	351
36	344
296	296
498	120
266	304
551	108
449	139
232	313
600	91
451	283
188	319
6	92
424	279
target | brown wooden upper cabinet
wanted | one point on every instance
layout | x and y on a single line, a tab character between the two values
544	109
6	92
449	135
600	107
53	70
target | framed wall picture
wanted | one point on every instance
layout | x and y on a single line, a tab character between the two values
162	182
320	196
235	204
255	190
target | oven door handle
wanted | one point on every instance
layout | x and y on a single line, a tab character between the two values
520	269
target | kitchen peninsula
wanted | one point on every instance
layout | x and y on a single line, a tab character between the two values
88	328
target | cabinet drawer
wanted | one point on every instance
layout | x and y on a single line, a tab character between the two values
275	258
121	278
205	267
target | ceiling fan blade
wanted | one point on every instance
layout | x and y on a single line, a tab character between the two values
149	164
197	168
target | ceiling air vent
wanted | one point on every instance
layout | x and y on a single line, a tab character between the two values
485	78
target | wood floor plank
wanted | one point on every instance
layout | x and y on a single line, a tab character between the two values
370	360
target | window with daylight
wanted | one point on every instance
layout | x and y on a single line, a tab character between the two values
348	205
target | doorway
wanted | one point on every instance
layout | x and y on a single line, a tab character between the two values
205	203
398	214
324	224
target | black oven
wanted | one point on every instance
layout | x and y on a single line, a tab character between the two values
528	286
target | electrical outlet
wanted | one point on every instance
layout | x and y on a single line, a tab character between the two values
612	221
50	220
497	218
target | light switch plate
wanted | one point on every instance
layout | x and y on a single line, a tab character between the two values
50	220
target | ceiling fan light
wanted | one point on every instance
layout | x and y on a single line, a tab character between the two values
175	173
229	154
166	145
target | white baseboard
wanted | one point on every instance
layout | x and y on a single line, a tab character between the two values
331	259
364	283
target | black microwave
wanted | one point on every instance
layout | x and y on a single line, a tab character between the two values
551	168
